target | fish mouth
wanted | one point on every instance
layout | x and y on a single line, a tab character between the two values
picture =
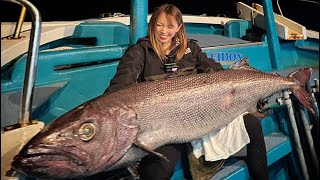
51	162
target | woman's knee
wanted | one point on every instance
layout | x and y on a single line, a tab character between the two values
253	126
251	121
156	170
153	167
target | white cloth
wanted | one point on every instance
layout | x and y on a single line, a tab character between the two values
222	143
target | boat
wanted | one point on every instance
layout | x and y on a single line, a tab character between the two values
48	68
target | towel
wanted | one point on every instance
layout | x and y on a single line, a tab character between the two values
222	143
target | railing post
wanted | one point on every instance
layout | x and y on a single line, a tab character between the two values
287	101
138	20
31	65
272	36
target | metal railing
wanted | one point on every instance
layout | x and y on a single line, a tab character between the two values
32	58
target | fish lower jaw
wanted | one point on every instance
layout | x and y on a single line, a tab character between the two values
43	161
49	169
55	154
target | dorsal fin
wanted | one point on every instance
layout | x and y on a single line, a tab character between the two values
242	64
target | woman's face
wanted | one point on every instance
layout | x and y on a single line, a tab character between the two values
166	30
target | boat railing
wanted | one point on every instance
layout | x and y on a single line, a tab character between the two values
32	58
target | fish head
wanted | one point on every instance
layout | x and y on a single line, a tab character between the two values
82	142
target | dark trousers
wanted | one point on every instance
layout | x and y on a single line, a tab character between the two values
256	150
154	168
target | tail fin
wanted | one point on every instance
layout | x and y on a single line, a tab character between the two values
302	76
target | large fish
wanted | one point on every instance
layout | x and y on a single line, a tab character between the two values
119	128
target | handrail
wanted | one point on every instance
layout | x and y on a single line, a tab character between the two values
138	19
31	65
272	36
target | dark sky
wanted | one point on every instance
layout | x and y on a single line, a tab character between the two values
305	12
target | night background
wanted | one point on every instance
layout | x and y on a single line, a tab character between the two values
305	12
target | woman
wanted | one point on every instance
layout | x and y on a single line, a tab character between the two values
167	53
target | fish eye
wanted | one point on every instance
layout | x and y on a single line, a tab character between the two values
87	131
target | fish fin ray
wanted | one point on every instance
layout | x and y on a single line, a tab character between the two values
143	147
240	64
304	98
276	74
302	76
243	64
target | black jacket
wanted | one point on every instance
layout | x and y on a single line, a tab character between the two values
141	63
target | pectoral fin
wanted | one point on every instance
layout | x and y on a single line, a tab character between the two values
143	147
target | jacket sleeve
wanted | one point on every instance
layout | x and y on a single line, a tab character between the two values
130	67
205	64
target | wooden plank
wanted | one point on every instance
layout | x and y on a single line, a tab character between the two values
286	28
